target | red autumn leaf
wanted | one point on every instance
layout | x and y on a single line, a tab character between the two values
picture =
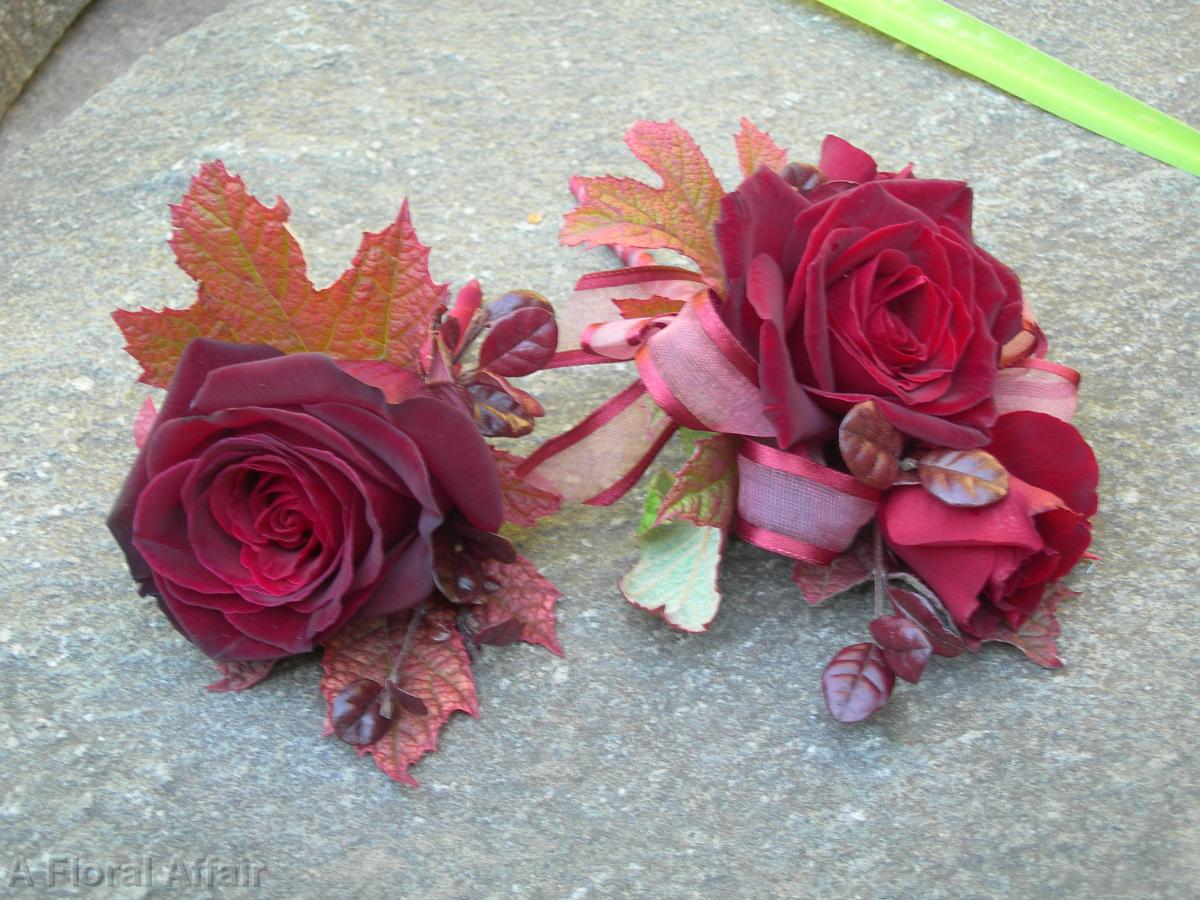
524	595
678	216
237	676
756	150
870	445
437	671
520	343
927	612
963	477
644	307
819	583
254	287
143	422
857	683
704	491
526	498
904	644
1036	637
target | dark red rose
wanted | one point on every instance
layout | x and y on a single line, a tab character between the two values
848	284
277	497
992	564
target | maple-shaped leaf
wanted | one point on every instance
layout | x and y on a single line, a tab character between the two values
819	583
524	596
237	676
644	307
254	287
678	216
756	150
675	576
1036	637
525	498
437	671
704	491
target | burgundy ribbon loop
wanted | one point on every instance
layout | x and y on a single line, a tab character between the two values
791	505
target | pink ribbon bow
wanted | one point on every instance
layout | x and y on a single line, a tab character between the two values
693	372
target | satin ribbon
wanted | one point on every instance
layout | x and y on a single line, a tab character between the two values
693	372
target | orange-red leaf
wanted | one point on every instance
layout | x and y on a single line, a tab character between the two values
525	498
381	307
704	491
678	216
639	307
437	670
756	150
963	477
254	287
524	595
870	445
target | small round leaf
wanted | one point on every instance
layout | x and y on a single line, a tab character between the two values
857	683
963	477
870	445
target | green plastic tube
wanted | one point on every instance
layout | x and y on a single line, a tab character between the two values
966	43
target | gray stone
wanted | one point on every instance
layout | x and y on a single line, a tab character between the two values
28	31
643	763
105	39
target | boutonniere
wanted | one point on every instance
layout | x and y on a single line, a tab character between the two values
859	386
319	474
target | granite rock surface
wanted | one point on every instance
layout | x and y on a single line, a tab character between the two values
28	31
643	763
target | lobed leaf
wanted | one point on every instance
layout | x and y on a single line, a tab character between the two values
254	286
1036	637
526	498
704	491
437	671
644	307
963	477
820	583
678	216
756	150
525	597
238	676
857	683
870	445
676	574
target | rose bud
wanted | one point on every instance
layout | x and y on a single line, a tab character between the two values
992	564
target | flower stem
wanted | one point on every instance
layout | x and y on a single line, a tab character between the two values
878	570
393	678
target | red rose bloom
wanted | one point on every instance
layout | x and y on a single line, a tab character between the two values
848	284
277	497
992	564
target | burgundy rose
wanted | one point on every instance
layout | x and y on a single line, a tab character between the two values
277	497
992	564
848	284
